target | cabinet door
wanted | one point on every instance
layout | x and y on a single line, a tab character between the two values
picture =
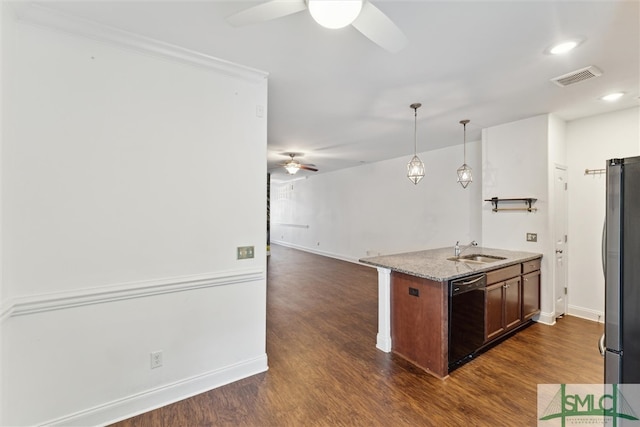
494	311
530	295
512	303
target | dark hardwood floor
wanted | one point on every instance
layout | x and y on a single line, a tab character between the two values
324	368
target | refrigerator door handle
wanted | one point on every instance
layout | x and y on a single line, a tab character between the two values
604	248
601	345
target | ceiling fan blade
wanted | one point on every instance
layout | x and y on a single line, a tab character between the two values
309	168
378	28
266	11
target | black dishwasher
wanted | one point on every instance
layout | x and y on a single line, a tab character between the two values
466	318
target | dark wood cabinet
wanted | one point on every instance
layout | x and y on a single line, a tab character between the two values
420	312
512	303
512	297
494	311
530	295
503	312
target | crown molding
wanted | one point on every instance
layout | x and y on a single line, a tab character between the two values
41	16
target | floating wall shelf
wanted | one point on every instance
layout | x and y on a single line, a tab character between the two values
529	201
595	171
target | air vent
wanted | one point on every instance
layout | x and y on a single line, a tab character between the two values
577	76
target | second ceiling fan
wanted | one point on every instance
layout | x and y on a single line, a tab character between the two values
363	15
293	166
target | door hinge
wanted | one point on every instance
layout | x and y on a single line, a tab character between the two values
565	238
566	185
565	290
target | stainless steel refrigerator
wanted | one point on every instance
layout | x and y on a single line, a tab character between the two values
621	344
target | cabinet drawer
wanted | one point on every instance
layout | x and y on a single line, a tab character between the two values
503	274
529	266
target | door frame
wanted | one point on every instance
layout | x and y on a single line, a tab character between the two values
559	206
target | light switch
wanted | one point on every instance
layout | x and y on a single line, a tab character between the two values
245	252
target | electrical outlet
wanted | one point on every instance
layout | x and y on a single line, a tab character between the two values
245	252
532	237
156	359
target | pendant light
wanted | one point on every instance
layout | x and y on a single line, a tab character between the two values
415	168
464	171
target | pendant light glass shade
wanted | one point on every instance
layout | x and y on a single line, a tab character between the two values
464	175
464	172
292	167
415	168
334	14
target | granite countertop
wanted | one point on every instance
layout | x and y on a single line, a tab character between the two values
433	263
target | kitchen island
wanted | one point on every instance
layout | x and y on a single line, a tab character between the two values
419	327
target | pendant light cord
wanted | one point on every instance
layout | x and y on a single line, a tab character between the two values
415	126
415	131
465	143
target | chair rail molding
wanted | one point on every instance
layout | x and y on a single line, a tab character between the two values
31	304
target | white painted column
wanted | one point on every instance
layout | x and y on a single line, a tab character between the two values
383	341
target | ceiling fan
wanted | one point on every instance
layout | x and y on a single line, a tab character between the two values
363	15
293	166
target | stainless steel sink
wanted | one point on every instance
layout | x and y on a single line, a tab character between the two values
479	258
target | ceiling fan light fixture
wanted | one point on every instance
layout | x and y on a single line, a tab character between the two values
334	14
292	167
464	172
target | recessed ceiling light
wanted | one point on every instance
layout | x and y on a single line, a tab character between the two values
612	96
563	47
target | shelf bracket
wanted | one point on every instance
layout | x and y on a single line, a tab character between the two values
529	201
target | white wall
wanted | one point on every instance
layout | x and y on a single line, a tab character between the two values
121	216
514	164
7	26
590	143
518	159
374	209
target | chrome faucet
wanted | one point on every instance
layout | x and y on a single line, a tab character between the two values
457	250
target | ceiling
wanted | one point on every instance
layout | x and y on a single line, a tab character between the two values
342	100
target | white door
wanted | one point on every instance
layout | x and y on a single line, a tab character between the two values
560	230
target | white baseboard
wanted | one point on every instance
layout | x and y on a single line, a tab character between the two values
586	313
383	343
317	252
546	318
139	403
